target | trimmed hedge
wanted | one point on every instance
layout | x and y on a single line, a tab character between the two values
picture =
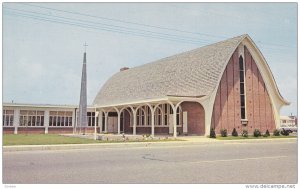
245	133
276	132
234	133
224	132
284	132
212	133
256	133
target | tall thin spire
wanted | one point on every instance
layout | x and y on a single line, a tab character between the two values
83	97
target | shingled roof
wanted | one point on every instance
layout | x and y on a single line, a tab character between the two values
191	74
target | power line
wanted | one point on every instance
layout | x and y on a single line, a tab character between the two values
146	32
110	25
140	24
97	28
123	21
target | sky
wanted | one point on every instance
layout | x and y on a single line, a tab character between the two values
43	42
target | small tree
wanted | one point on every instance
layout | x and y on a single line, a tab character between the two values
212	133
256	133
245	133
234	132
224	132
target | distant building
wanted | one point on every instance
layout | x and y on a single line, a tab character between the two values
44	118
225	85
288	122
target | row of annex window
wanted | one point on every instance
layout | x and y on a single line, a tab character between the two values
90	119
8	118
36	118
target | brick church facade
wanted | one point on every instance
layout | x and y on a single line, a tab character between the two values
225	85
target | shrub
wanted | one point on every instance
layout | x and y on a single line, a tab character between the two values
256	133
234	133
245	133
224	132
212	133
276	132
284	132
267	133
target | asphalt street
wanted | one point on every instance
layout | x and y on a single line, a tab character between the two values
253	162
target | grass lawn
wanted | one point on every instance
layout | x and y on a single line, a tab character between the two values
42	139
252	137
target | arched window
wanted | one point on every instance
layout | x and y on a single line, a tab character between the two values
138	116
242	87
178	116
142	116
148	115
166	114
159	116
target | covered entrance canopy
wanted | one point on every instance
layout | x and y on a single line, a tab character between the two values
163	115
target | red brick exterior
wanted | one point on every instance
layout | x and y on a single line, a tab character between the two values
195	118
31	130
227	109
8	130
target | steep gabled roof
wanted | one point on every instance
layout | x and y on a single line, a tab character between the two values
193	73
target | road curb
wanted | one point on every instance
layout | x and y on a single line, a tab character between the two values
139	144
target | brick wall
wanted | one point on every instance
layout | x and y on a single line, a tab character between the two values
226	111
31	130
8	130
195	118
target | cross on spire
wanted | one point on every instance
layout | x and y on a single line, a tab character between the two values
85	45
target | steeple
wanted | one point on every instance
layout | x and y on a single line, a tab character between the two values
82	124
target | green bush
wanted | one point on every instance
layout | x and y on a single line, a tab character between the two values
276	132
284	132
267	133
256	133
234	133
224	132
212	133
245	133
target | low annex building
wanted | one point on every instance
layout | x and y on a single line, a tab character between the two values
224	85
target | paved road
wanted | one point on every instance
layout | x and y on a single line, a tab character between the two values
253	162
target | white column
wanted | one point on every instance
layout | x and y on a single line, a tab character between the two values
46	121
152	122
95	133
134	122
105	122
100	119
16	122
74	121
174	123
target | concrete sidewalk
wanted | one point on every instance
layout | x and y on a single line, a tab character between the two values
185	141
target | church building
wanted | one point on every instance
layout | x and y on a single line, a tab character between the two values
225	85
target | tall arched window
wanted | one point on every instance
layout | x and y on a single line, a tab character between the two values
178	116
143	116
148	115
242	87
